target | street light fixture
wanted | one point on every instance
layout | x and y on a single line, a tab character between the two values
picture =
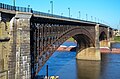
51	7
28	6
48	11
61	14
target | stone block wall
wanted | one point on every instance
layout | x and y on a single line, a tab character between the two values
22	35
15	46
4	46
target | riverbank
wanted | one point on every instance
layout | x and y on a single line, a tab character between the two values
71	46
117	38
112	50
102	50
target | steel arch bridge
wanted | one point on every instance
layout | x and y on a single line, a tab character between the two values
47	34
29	38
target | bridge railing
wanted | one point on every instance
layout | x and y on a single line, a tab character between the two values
56	16
16	8
51	15
24	9
41	13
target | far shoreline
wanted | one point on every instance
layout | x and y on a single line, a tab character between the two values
102	50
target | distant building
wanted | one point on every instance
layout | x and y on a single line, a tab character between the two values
117	32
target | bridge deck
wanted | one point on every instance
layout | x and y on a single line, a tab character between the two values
15	9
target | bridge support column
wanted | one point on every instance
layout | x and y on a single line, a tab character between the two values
108	37
97	43
5	46
91	53
20	44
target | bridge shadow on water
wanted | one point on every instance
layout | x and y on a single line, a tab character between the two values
88	69
107	68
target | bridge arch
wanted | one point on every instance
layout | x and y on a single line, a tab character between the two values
110	34
103	39
102	36
83	37
83	41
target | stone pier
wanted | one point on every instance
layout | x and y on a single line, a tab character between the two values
91	53
22	46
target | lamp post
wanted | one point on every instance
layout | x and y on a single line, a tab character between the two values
86	17
95	19
69	12
28	8
91	18
14	4
79	15
118	25
61	14
47	71
98	20
51	7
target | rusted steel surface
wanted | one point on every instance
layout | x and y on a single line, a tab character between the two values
47	37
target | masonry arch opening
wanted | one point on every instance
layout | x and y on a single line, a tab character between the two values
103	39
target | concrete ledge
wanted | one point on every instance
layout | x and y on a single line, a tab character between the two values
89	54
4	39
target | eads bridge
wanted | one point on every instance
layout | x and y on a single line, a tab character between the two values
28	38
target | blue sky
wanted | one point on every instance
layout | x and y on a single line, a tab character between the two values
105	10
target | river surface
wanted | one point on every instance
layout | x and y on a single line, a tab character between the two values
65	65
